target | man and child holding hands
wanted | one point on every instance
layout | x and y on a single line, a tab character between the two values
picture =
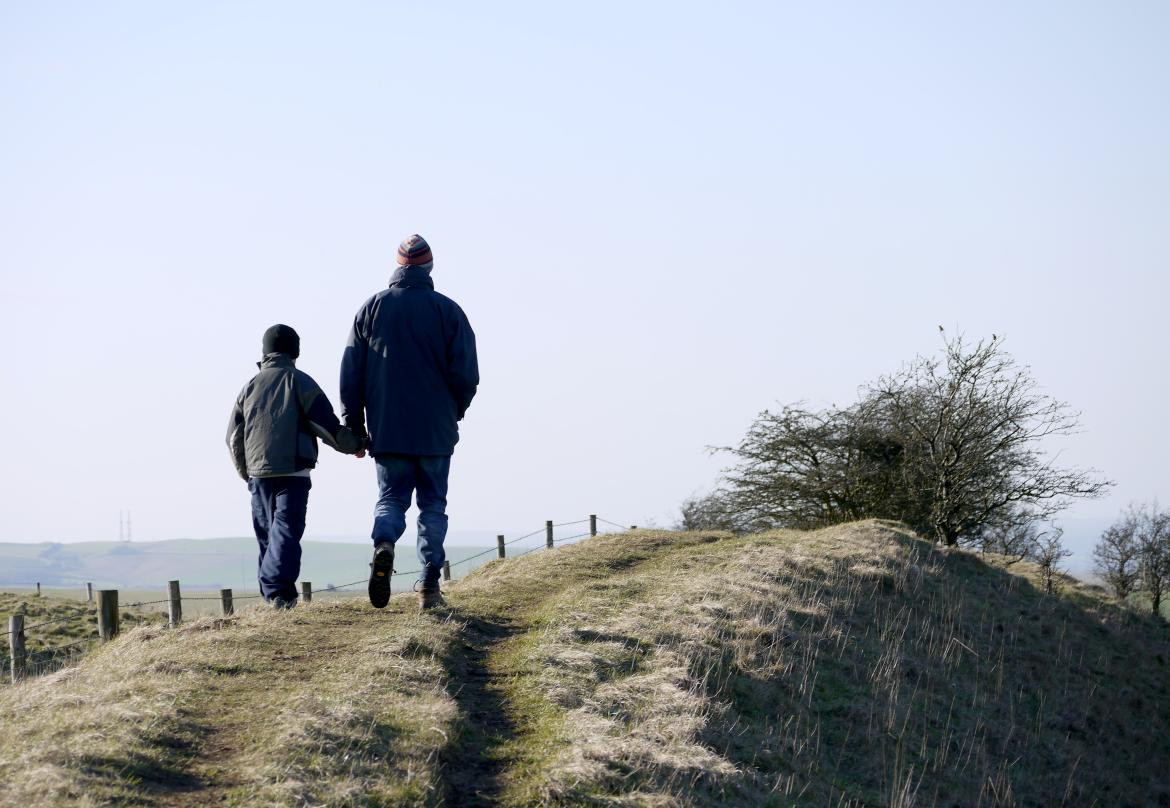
408	375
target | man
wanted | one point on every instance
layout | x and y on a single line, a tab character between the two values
272	435
407	377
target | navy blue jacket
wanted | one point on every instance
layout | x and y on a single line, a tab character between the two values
409	371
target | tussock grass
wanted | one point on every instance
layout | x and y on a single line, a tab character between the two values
852	666
316	706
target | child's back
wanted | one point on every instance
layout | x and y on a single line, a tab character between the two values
272	435
279	415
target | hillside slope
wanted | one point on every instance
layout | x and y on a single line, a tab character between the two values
851	666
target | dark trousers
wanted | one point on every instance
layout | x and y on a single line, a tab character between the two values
278	517
399	477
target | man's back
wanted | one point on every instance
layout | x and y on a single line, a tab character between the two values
409	367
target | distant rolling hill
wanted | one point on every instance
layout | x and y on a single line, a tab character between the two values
198	563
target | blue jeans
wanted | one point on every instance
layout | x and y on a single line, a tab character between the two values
278	518
399	477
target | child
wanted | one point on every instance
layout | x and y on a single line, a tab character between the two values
272	436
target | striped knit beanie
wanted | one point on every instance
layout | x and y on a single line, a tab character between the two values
415	252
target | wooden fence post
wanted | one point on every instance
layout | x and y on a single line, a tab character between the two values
16	646
107	614
548	533
446	570
89	593
174	604
500	545
38	589
592	524
307	591
225	597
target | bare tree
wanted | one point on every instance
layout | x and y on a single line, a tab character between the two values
974	424
806	469
1048	551
955	447
1014	534
1116	554
708	512
1153	553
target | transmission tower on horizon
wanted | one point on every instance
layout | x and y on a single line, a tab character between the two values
124	531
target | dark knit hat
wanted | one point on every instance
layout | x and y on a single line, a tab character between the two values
282	339
415	252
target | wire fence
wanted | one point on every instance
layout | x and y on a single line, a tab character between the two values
21	664
48	660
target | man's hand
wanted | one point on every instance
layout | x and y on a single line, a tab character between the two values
359	454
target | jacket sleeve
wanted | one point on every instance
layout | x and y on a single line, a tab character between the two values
462	363
235	438
353	376
318	414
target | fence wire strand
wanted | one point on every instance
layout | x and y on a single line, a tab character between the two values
55	620
57	649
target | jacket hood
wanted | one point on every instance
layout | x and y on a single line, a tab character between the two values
412	278
276	360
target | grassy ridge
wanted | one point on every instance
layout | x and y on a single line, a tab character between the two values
851	666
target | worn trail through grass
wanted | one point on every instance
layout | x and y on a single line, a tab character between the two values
475	763
280	671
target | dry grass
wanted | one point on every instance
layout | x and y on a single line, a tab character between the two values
318	706
55	629
851	666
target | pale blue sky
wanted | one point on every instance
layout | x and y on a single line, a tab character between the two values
660	218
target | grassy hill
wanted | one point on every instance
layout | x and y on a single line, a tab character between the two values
851	666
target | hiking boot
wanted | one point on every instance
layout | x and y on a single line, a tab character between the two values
381	568
430	597
282	604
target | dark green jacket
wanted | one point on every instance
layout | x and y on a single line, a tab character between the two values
277	419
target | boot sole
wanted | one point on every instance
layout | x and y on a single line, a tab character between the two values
380	571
